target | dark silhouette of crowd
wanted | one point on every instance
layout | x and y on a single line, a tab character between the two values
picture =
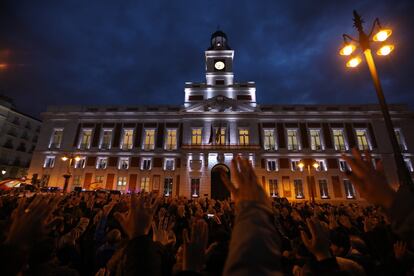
101	233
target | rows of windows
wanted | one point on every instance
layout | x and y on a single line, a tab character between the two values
299	191
221	136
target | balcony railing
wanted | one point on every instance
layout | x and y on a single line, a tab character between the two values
220	147
84	146
55	145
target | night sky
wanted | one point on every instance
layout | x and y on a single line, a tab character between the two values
141	52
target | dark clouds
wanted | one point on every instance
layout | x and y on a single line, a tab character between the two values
142	52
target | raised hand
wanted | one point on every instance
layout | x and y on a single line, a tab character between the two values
194	249
370	182
400	250
318	244
246	186
137	221
163	232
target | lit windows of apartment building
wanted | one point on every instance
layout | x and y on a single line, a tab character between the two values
323	188
292	139
220	136
339	139
297	183
101	163
343	166
127	139
294	165
146	164
273	190
243	136
56	138
315	139
195	187
196	136
121	183
99	178
169	164
77	180
363	140
106	139
171	141
168	186
400	139
322	165
85	139
145	184
349	189
271	165
269	139
49	162
79	163
149	139
123	163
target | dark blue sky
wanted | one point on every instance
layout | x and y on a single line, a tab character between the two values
142	52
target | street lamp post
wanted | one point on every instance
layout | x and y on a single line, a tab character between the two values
308	164
3	173
68	158
364	44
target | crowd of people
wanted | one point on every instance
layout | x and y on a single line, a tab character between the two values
100	233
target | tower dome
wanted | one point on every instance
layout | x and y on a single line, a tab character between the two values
219	41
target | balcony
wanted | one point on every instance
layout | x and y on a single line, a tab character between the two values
54	145
220	147
148	146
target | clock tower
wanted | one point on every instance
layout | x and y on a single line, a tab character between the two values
219	61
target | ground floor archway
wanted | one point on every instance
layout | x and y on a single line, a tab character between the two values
218	189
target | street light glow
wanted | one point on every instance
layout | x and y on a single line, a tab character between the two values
301	165
354	62
77	158
385	50
382	35
3	65
3	172
347	50
315	165
64	159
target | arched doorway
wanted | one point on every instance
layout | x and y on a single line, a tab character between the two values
218	189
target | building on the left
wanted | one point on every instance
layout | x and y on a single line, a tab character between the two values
18	137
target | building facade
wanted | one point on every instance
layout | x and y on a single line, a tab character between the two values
18	137
177	150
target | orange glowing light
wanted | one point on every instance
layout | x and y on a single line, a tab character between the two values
354	62
382	35
347	50
385	50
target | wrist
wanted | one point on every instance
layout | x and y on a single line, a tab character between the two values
320	256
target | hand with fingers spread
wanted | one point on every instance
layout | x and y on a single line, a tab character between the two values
137	221
318	244
400	250
245	186
370	182
163	233
194	249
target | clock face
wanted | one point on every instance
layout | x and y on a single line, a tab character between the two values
219	65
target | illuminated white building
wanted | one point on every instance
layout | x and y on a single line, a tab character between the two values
175	150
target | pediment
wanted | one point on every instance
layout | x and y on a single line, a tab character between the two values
220	104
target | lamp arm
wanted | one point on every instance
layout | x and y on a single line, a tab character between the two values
346	36
376	22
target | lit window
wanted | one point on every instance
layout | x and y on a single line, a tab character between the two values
408	164
272	165
343	166
244	137
269	139
149	139
196	136
362	138
80	163
298	188
171	143
339	139
273	191
400	139
101	163
294	165
323	188
292	136
349	189
85	139
77	180
195	187
127	137
99	179
169	164
106	139
145	183
168	186
315	137
121	183
49	162
322	165
220	136
146	164
123	163
56	139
